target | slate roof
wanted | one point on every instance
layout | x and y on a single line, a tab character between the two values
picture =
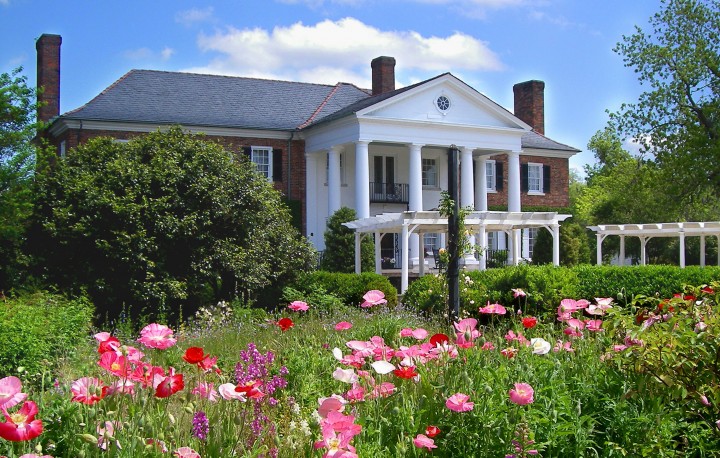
159	97
211	100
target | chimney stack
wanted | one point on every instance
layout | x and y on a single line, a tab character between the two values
48	76
530	104
383	74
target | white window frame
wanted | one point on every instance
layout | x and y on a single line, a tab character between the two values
255	154
537	180
431	241
531	239
63	148
490	178
425	181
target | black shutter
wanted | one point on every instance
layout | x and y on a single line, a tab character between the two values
546	179
277	164
499	176
524	177
246	151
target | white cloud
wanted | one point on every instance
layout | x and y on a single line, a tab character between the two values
4	2
147	54
195	15
332	51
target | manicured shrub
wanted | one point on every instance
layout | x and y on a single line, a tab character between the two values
38	328
348	288
339	254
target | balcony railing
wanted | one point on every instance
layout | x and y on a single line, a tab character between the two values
389	192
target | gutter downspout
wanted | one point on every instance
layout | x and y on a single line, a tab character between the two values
289	151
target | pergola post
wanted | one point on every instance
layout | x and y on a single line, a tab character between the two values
556	244
622	250
358	257
378	252
643	250
702	251
421	254
598	249
682	249
516	246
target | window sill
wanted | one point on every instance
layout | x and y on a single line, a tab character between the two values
535	193
491	191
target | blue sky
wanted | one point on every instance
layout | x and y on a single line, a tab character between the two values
489	44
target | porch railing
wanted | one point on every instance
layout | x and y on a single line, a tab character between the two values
389	192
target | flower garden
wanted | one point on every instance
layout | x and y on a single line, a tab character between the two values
590	378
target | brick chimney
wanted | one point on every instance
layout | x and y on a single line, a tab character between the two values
383	74
530	104
48	76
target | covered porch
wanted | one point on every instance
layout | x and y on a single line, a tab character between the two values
477	223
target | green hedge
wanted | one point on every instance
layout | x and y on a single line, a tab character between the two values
37	328
548	285
347	288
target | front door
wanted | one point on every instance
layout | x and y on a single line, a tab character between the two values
390	251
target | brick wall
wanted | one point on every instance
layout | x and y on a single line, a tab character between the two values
559	179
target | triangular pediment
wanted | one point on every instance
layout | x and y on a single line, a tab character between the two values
446	100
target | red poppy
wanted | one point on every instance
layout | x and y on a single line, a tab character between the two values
285	323
166	386
21	425
406	372
439	339
708	290
432	431
110	344
194	355
251	389
529	322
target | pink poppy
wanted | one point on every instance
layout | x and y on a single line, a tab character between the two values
422	441
157	336
419	334
496	309
115	364
571	305
334	403
345	375
106	431
372	298
121	387
522	394
383	390
227	392
467	328
343	325
458	402
298	306
186	452
209	363
594	325
88	390
518	292
488	346
167	385
21	425
205	390
406	332
356	393
10	392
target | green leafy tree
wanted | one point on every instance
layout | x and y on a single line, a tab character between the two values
677	120
165	220
17	160
574	247
339	254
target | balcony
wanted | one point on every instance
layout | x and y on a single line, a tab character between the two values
393	193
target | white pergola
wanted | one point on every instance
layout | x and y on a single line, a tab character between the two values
478	222
646	232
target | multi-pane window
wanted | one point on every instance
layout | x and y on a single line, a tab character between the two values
261	156
431	242
535	178
490	175
532	237
492	240
429	172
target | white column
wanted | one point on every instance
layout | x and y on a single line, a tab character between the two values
598	249
415	198
378	259
682	249
702	251
513	181
404	260
556	244
622	250
467	193
482	235
421	254
415	178
362	180
334	179
481	183
311	195
358	257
